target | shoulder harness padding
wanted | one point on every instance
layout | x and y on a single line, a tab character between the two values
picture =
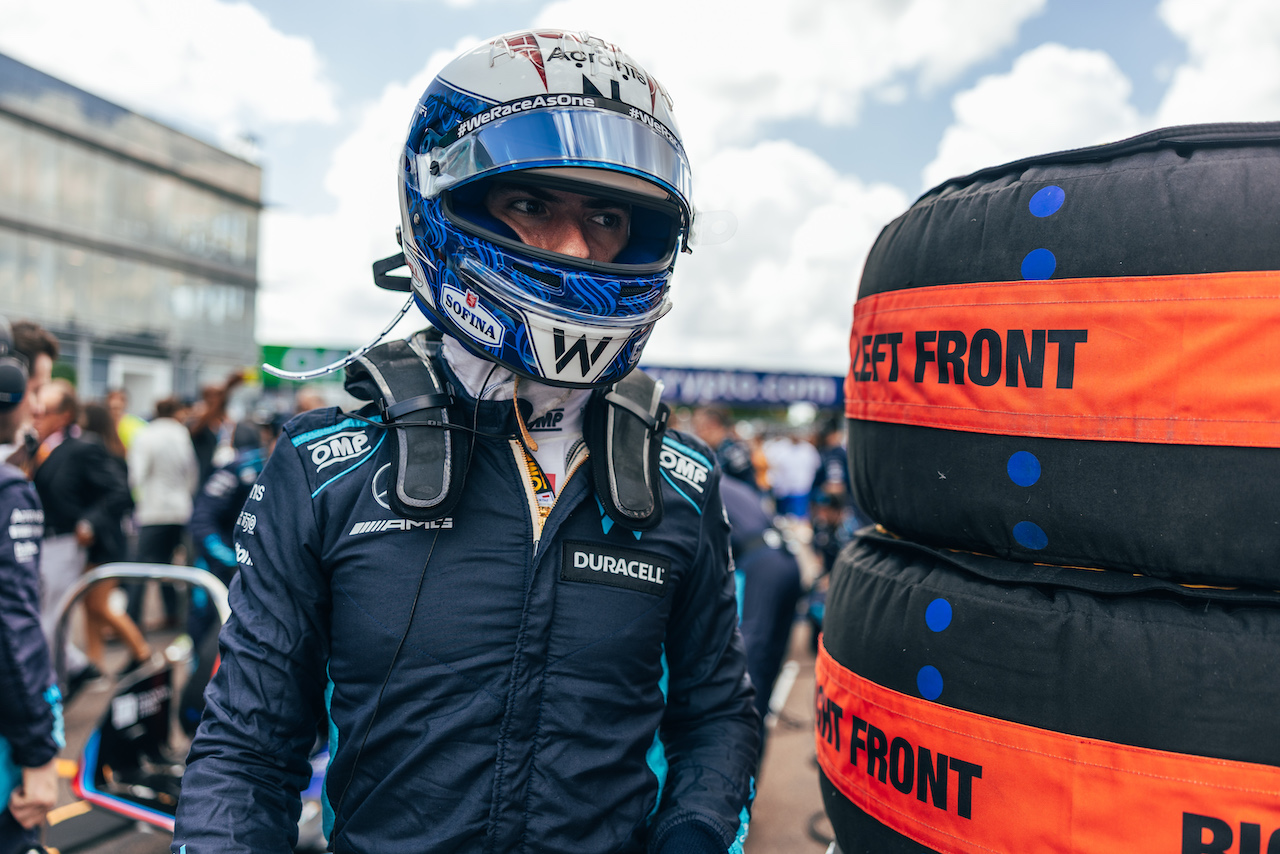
403	378
623	428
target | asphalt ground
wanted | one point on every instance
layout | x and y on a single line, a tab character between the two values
788	817
74	825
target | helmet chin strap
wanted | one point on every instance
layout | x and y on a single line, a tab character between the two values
345	360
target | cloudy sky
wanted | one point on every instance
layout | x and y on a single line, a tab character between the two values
815	122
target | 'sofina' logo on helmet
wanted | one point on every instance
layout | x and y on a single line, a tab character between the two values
471	316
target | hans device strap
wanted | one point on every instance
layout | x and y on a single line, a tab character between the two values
622	427
410	390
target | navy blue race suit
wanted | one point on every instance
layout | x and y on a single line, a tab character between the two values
30	706
579	691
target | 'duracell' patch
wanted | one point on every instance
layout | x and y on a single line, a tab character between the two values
633	570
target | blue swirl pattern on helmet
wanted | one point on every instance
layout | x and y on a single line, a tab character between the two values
440	110
581	293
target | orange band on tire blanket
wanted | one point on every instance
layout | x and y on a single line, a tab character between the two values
1187	360
961	782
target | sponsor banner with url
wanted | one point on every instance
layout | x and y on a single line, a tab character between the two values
299	359
696	386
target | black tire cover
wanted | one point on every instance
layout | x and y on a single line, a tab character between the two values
1121	658
1175	202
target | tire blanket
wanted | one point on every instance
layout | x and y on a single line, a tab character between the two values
1093	325
961	709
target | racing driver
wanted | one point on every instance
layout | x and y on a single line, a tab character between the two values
502	589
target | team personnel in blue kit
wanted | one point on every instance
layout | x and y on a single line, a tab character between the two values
30	705
770	584
214	514
503	584
218	503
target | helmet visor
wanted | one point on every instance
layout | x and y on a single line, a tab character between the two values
529	138
643	239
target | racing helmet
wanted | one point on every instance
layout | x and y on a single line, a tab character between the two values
534	115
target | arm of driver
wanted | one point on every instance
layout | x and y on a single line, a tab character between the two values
248	762
711	727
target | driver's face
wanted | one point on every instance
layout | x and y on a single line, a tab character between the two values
587	227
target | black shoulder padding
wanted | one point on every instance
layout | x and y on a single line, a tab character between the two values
623	428
414	398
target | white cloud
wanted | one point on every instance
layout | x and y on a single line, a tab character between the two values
220	67
317	287
780	294
455	4
735	66
1233	72
1053	98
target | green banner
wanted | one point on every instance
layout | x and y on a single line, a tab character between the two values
299	359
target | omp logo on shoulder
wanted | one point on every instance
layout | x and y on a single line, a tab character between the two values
683	467
338	448
633	570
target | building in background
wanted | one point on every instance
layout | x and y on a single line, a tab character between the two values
134	243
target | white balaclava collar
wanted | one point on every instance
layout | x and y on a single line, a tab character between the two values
555	423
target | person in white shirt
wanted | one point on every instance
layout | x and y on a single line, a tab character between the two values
793	460
164	474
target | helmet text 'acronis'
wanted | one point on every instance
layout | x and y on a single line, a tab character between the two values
604	58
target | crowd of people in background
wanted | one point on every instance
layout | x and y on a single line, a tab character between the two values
119	487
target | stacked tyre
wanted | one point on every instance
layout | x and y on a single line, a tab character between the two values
1064	415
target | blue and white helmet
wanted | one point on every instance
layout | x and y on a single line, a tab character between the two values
566	111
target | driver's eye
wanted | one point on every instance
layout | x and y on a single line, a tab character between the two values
610	221
528	206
